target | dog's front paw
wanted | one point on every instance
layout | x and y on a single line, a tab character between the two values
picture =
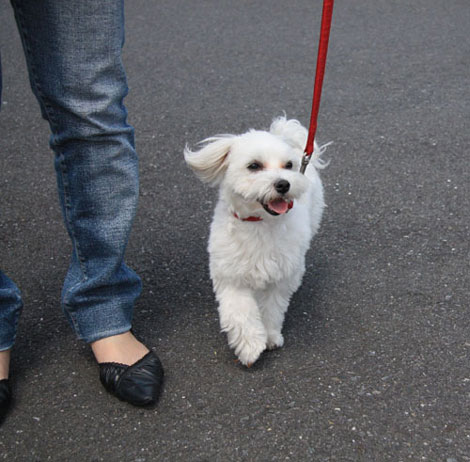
248	352
248	341
275	340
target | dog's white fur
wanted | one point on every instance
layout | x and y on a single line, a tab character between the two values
256	266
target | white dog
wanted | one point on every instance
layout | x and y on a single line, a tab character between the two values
266	215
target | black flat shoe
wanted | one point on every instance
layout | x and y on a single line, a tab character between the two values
5	398
139	384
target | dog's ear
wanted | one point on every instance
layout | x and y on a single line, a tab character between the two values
210	162
290	130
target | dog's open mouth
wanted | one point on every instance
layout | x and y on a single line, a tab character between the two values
278	206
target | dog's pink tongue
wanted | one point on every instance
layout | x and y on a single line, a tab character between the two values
279	206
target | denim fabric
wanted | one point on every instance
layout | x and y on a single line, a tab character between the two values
73	53
10	309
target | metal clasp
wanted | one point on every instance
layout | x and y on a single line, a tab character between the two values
305	162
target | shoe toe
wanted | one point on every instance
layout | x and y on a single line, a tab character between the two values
139	384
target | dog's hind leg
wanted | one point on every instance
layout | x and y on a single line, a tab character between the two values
240	318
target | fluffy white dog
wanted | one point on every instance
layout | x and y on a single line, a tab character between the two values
266	215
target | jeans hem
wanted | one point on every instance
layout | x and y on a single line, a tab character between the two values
8	347
12	333
107	333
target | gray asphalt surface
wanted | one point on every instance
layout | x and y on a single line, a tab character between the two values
376	361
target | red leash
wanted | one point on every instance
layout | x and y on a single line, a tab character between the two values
320	72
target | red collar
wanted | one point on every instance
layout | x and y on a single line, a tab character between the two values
248	218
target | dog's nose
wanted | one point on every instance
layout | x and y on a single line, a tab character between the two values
282	186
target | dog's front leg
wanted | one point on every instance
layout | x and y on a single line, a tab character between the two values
273	305
240	318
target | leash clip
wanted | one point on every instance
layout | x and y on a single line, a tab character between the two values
305	162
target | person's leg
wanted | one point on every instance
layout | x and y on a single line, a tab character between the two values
4	364
73	51
122	348
10	309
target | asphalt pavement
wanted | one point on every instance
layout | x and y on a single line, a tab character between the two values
375	365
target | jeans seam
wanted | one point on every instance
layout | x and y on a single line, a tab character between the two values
52	122
71	314
67	208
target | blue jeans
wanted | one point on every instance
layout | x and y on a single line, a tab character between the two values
73	52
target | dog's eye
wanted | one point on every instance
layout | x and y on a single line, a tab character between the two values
289	165
255	166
